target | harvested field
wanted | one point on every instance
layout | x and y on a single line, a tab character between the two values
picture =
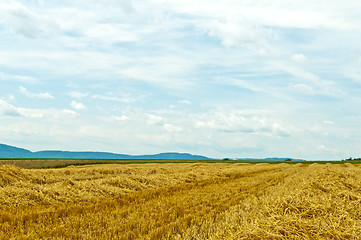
182	201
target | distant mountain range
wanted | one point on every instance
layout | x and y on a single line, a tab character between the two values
7	151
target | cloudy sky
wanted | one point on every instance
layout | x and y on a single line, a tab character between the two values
221	78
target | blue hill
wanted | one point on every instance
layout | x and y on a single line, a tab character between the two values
7	151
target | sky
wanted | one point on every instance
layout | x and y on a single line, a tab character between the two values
220	78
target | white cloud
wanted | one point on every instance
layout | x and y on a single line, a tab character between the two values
35	95
91	130
123	99
184	101
167	71
78	95
18	78
155	120
172	128
77	105
8	110
9	97
328	122
121	118
242	83
242	121
111	33
25	22
310	80
304	88
240	34
31	113
305	14
324	148
53	114
300	58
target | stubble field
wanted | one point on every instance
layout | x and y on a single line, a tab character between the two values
182	201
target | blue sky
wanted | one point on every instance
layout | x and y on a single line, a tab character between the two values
218	78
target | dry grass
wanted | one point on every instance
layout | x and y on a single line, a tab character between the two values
181	201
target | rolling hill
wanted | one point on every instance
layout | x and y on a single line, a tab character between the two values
7	151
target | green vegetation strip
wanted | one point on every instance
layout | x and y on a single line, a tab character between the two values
60	163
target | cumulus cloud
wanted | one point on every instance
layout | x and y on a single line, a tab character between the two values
241	121
239	34
32	113
8	110
35	95
77	105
